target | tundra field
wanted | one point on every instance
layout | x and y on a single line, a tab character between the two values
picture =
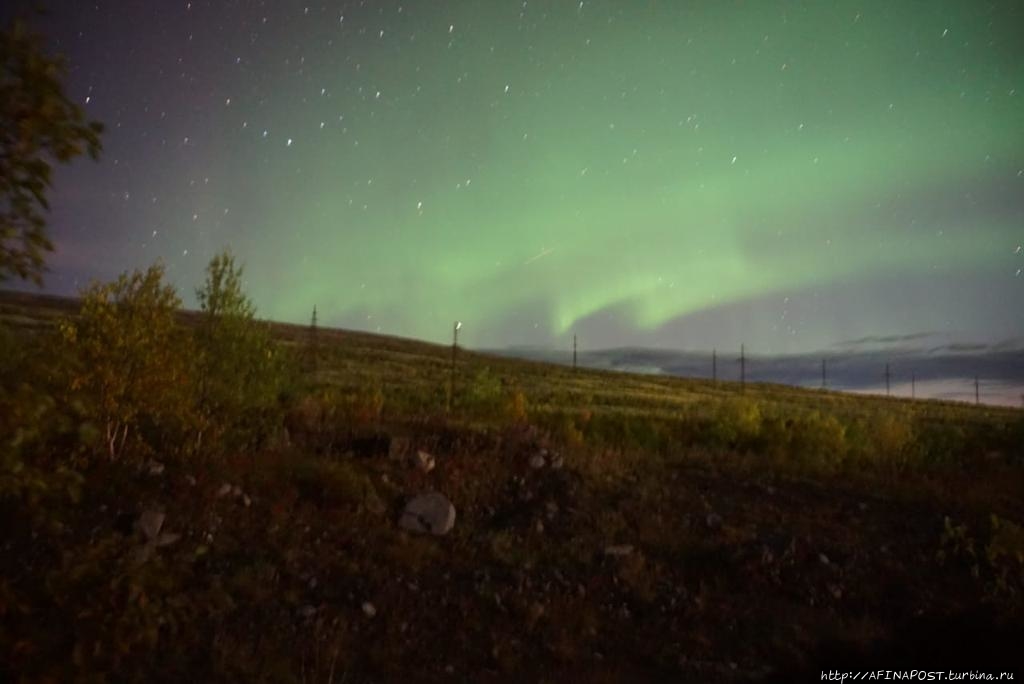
608	526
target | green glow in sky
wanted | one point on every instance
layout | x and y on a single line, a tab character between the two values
539	168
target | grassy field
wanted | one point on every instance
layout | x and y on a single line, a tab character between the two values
610	527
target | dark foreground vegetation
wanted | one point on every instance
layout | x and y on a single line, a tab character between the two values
203	497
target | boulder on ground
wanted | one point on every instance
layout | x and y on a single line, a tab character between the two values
431	513
150	523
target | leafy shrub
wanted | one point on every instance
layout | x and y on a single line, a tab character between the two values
517	407
240	372
1005	554
129	362
482	395
817	440
735	422
892	436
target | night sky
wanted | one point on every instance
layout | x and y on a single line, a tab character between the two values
664	174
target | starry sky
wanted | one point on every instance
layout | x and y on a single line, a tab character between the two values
681	174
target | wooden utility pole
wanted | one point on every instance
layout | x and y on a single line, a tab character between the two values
574	352
314	351
887	379
714	365
743	366
824	376
451	381
977	394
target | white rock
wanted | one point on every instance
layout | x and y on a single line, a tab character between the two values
150	523
432	513
424	461
537	461
369	609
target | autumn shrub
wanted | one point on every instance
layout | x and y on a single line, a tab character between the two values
517	407
128	364
817	440
37	432
482	395
313	421
365	404
999	564
939	443
240	372
892	441
734	422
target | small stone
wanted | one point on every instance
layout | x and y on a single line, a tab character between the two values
236	491
824	559
369	610
713	521
155	467
432	513
224	490
167	538
537	461
150	522
424	461
618	550
246	500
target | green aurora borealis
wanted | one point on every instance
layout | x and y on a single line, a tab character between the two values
663	173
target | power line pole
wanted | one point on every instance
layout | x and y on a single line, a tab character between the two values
714	365
574	352
977	394
451	381
824	376
887	379
313	351
743	366
913	385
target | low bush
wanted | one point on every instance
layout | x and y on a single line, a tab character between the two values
127	362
